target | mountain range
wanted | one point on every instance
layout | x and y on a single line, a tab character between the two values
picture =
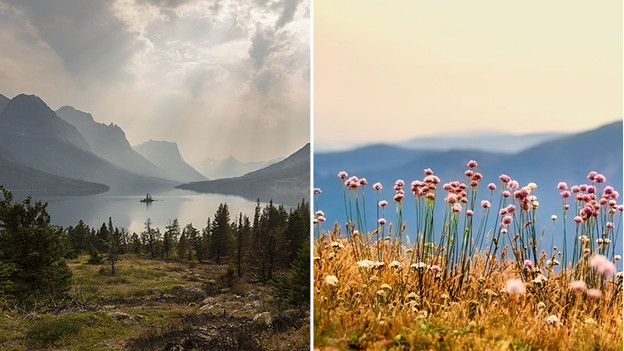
286	181
68	153
229	167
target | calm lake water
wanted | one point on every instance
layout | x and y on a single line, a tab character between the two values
129	213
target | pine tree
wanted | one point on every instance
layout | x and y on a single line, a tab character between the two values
195	241
172	232
114	244
31	249
220	233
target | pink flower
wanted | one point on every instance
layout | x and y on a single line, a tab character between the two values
485	204
504	178
578	219
502	212
399	183
472	164
565	194
398	197
428	172
474	183
469	213
578	286
506	193
383	203
451	198
477	176
621	208
600	178
342	175
515	287
430	196
435	269
575	189
602	265
513	185
594	293
592	175
507	221
363	181
562	186
377	186
456	207
492	186
528	264
591	189
510	209
381	221
469	173
317	191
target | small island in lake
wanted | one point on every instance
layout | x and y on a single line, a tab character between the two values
148	199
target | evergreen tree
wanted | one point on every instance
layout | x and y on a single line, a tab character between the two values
183	246
114	244
220	233
149	237
31	250
172	232
195	241
299	290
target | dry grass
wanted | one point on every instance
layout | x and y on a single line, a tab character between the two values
408	308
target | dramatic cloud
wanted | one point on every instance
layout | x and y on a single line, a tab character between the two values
218	77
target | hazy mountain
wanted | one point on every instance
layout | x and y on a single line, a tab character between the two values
286	181
166	155
228	167
32	135
110	143
19	178
3	102
483	141
28	115
569	158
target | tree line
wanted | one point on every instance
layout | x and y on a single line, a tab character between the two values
33	251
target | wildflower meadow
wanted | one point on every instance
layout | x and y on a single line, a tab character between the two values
486	277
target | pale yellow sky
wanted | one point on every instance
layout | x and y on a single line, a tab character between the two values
391	70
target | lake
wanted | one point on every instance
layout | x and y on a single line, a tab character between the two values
129	213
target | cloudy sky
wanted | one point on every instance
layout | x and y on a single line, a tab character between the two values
218	77
387	71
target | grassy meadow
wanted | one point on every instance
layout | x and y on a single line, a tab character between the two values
487	284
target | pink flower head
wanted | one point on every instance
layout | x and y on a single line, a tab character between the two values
608	191
342	175
592	175
317	191
383	203
451	198
510	209
502	212
528	264
583	187
435	269
504	178
507	221
474	183
430	196
515	287
399	183
456	207
600	178
565	194
485	204
578	286
319	213
591	189
428	172
594	293
562	186
578	219
492	186
513	185
469	173
398	197
363	181
381	221
477	176
469	213
602	265
621	208
377	186
575	189
472	164
506	193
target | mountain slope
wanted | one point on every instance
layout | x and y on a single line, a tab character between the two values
19	178
32	135
3	102
489	142
287	181
228	167
166	155
28	115
110	143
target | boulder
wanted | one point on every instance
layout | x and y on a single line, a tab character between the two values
188	293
